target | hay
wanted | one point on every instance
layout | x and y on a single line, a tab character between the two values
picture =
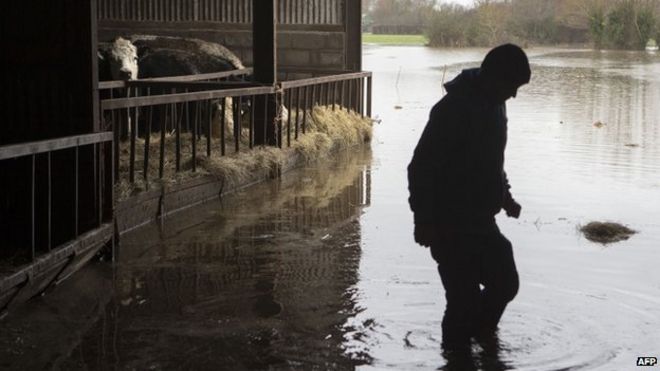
326	132
606	232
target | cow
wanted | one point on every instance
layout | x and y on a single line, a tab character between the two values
117	60
162	56
149	56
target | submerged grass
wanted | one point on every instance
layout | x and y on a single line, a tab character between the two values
326	131
606	232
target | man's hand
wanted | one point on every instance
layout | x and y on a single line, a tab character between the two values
425	234
512	208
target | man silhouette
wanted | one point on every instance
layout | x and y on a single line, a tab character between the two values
457	185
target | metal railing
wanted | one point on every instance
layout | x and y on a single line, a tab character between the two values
201	114
339	91
45	161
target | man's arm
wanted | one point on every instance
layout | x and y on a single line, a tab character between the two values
426	169
509	205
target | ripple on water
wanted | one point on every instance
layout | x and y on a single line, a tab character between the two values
553	341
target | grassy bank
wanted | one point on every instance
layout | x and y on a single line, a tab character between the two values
369	38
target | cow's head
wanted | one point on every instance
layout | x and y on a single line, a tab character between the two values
123	60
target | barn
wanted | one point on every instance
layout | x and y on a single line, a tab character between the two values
64	132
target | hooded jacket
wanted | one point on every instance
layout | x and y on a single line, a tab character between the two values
456	176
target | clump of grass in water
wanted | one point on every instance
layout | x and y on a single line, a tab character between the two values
606	232
326	131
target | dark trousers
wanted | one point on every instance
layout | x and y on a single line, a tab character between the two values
468	262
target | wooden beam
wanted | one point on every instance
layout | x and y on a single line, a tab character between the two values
92	54
264	44
324	79
353	39
32	148
264	53
117	103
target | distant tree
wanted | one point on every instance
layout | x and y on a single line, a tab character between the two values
625	24
645	25
620	26
402	12
630	24
493	17
533	20
596	17
451	25
367	5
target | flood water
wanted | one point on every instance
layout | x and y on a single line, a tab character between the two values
581	305
318	270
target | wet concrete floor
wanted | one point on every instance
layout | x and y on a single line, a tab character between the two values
263	279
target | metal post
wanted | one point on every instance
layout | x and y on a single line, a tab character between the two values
297	112
50	202
77	190
99	200
304	110
334	95
289	96
253	103
163	129
147	143
34	243
369	88
237	122
193	137
178	144
222	126
361	95
208	128
349	94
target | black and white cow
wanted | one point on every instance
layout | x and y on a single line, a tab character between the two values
149	56
117	60
146	56
161	56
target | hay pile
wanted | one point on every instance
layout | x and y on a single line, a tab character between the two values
326	131
606	232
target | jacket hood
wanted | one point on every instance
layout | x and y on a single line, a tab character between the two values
465	82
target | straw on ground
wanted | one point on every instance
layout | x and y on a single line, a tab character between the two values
326	131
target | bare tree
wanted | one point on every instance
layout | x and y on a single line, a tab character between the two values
493	18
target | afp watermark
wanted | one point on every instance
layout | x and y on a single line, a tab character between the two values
647	361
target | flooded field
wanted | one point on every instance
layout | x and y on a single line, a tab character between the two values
581	305
319	270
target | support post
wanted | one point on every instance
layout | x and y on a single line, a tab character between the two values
353	43
264	52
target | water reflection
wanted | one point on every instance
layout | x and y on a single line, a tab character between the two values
246	283
620	94
487	355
